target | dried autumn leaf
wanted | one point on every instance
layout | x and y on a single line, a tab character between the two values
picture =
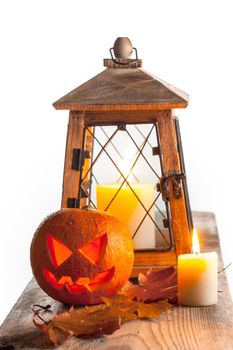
121	306
81	322
154	286
99	320
134	308
153	310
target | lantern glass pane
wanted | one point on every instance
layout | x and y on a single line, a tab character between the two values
121	178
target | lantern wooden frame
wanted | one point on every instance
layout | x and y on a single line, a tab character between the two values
125	94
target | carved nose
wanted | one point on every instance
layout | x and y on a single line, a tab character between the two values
81	267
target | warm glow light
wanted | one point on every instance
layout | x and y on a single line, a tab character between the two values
128	159
195	242
58	251
95	250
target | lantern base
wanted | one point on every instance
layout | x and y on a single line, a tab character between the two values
143	261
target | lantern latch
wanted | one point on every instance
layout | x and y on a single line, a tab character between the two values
176	180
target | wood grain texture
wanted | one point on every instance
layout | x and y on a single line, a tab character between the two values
127	63
181	328
123	89
171	165
181	231
94	118
71	177
143	261
86	165
168	143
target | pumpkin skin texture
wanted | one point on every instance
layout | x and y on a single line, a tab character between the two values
78	255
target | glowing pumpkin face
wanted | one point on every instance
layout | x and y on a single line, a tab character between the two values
77	256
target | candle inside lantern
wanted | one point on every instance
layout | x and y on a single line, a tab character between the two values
198	277
126	206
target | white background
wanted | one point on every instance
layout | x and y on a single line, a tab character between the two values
50	47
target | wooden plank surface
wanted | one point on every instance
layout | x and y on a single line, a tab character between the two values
181	328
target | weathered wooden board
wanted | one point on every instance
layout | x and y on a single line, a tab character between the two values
122	63
93	118
183	328
171	165
74	140
123	89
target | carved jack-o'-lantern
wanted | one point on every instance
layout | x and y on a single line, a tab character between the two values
77	256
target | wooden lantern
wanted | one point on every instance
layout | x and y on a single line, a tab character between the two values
121	97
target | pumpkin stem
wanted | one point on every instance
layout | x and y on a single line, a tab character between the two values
88	207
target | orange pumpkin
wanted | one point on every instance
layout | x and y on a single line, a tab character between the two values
77	256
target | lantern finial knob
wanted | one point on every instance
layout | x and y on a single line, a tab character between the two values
121	55
123	48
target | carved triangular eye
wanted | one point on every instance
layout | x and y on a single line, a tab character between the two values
58	251
95	250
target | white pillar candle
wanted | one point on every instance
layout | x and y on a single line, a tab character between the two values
129	210
198	277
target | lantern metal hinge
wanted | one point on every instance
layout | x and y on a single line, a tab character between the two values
78	158
156	151
72	202
165	223
176	186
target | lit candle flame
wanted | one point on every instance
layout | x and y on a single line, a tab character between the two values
195	242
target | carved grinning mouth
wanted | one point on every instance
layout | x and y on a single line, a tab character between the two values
82	284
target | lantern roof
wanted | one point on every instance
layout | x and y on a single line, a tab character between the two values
123	86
